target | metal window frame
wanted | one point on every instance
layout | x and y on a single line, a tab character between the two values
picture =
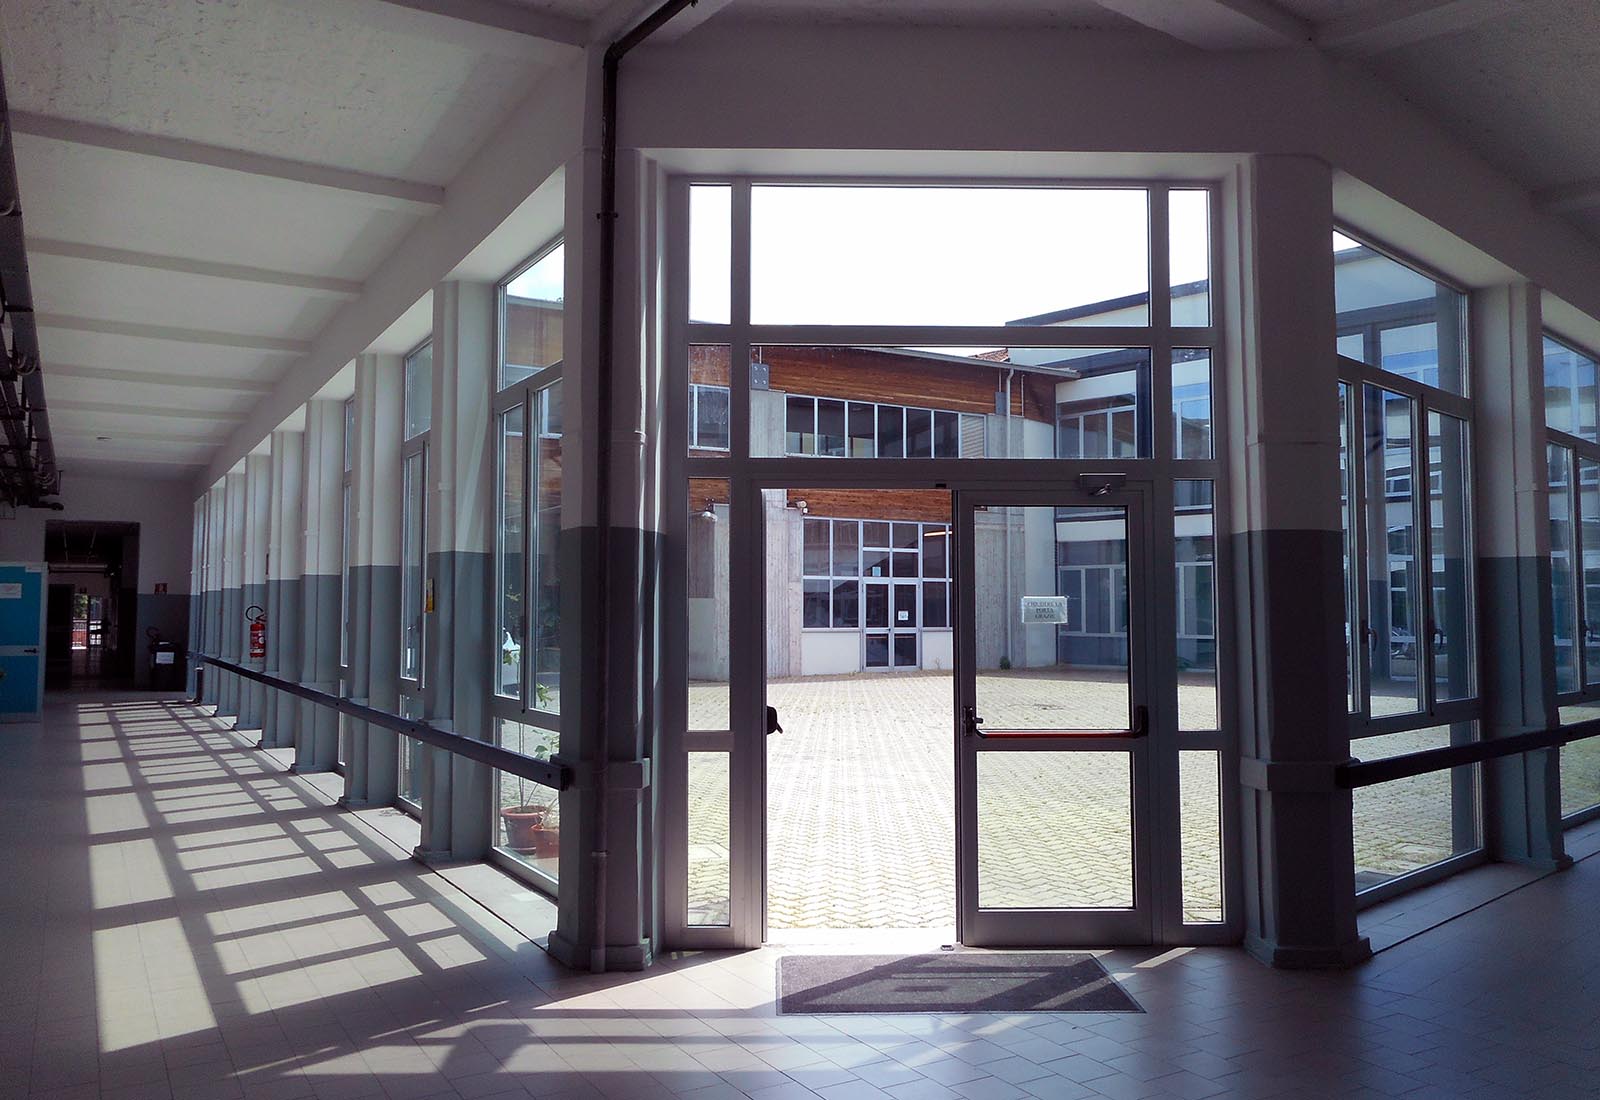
746	475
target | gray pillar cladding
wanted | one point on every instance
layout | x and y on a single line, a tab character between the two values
1287	551
284	587
458	629
232	639
1512	482
258	500
316	743
376	495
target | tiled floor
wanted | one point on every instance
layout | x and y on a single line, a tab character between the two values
183	920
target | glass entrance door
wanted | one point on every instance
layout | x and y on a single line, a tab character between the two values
889	638
1053	766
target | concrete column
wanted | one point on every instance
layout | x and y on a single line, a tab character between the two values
258	501
316	743
232	641
211	587
459	642
607	918
284	586
376	574
1298	857
1522	794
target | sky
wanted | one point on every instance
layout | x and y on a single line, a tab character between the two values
933	255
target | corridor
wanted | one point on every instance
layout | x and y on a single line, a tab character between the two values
187	920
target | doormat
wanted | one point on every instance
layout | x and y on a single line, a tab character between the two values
954	981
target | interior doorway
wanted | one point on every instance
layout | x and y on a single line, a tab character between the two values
91	636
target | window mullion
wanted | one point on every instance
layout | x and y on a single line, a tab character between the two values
530	470
1422	550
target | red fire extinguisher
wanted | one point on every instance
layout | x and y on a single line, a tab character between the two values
258	631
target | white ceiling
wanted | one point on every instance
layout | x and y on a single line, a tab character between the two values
207	182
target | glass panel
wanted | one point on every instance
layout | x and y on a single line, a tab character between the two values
1347	494
1393	609
545	635
905	607
707	568
1412	326
935	544
710	430
814	604
935	606
1102	413
877	598
1055	830
1189	256
1569	390
349	434
1067	666
800	425
530	318
511	565
1191	402
419	390
1200	821
1580	763
863	430
1408	824
708	839
1589	554
1194	533
846	603
410	773
1450	517
344	576
814	556
529	813
1563	578
919	433
710	253
830	428
846	548
412	529
865	255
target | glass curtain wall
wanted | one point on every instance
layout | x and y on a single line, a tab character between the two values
1406	502
418	415
525	694
1573	444
346	517
937	327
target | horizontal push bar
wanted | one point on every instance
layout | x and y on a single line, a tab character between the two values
543	772
1365	773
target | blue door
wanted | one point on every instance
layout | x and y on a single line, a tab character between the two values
22	588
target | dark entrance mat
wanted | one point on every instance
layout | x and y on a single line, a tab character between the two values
954	981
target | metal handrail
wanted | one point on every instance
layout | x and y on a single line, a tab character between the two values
1365	773
544	772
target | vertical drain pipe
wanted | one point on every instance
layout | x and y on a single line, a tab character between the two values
605	359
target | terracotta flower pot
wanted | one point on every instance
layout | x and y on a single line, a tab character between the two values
527	833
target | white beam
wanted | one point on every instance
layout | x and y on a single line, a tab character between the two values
124	257
1569	198
375	190
1217	24
1388	26
141	331
117	435
156	378
119	409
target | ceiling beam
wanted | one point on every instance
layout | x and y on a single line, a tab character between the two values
141	331
374	190
124	257
1388	26
1217	24
147	439
157	378
119	409
1569	198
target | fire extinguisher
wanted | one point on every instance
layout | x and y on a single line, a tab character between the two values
258	631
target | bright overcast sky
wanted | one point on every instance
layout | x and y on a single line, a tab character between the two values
934	255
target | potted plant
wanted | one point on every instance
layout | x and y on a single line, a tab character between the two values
532	826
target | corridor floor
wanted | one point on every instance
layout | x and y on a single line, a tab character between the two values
182	919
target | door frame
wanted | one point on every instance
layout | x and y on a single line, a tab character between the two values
1058	927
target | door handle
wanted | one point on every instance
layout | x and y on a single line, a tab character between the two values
970	721
1141	721
772	721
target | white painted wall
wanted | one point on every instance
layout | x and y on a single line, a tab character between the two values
164	511
830	652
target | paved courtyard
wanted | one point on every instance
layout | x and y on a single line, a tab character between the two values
861	804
